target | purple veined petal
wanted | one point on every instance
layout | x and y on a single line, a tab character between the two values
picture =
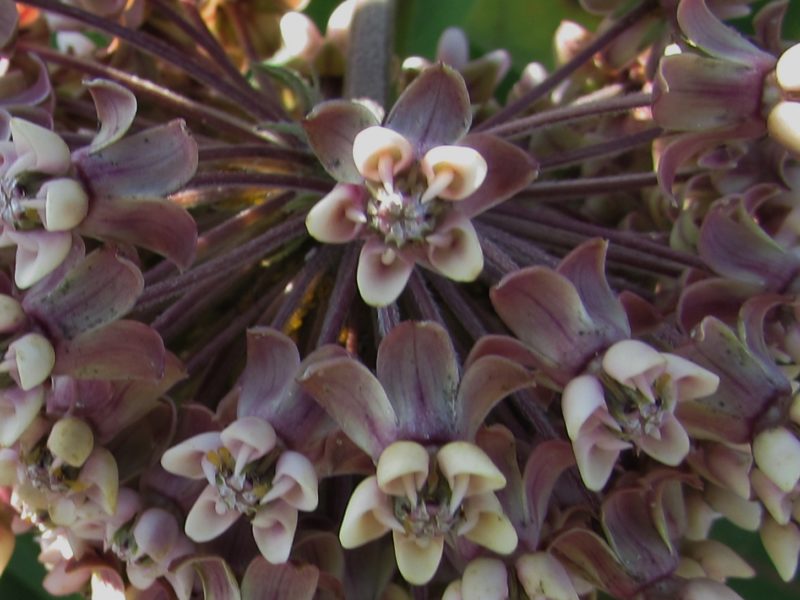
155	224
121	350
544	466
696	93
167	154
186	458
273	529
382	273
355	399
433	110
454	249
272	364
416	364
339	216
38	149
543	309
331	128
116	109
717	297
734	245
486	381
265	581
585	268
218	581
33	94
210	517
768	26
752	326
704	29
503	346
39	253
100	289
9	19
508	170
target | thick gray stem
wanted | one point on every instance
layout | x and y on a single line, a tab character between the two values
369	55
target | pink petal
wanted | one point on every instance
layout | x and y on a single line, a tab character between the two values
692	381
380	153
185	458
38	149
18	409
209	517
248	439
596	454
582	397
272	364
454	250
631	361
273	529
39	253
156	532
382	273
295	482
673	445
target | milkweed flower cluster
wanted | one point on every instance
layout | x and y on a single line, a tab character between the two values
285	315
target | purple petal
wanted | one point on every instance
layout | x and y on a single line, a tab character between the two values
417	366
272	364
487	381
433	110
34	93
544	466
543	310
354	398
509	169
155	224
263	581
153	162
121	350
331	128
101	288
733	244
702	27
216	577
585	268
116	109
717	297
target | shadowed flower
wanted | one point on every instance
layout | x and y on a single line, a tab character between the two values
410	187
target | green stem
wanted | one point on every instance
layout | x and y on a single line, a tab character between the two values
369	55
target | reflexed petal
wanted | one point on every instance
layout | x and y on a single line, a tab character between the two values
368	515
295	482
264	581
671	447
777	502
468	470
185	458
454	249
380	153
453	172
743	513
417	559
382	273
66	204
122	350
718	561
331	128
116	109
486	525
339	216
209	517
273	529
402	469
581	398
12	316
34	357
706	589
783	126
38	149
167	153
433	110
777	454
355	399
542	575
417	367
155	224
782	543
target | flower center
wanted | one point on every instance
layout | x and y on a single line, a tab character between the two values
242	491
17	208
430	515
397	211
637	412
